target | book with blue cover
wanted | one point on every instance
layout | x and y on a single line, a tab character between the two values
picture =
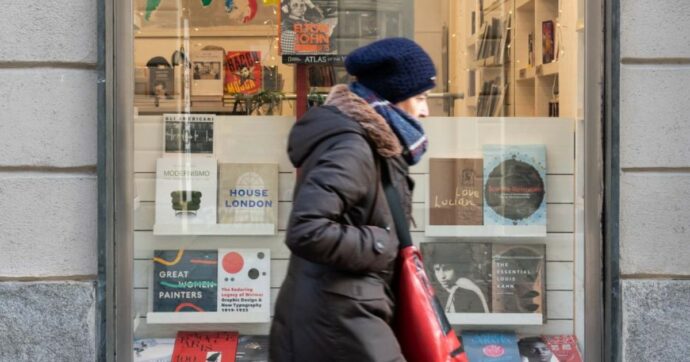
491	346
515	185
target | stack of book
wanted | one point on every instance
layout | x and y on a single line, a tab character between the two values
491	98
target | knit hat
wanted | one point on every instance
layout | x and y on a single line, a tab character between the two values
395	68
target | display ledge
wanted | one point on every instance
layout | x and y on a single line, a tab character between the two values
547	69
526	73
486	230
496	319
203	318
214	229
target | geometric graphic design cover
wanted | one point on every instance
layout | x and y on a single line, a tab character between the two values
186	190
519	278
515	185
213	286
485	346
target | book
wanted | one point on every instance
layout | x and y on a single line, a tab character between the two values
491	346
243	72
186	190
205	347
213	286
564	348
248	195
153	349
207	73
548	42
189	133
518	278
455	191
515	185
308	28
252	349
185	281
161	77
460	274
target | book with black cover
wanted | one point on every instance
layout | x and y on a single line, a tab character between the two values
518	278
491	346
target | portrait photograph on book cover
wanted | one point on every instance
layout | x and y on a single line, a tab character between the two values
307	26
460	274
515	185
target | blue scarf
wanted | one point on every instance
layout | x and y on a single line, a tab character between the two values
406	127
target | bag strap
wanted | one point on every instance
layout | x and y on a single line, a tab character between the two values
393	198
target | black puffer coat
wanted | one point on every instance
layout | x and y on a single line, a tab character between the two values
336	302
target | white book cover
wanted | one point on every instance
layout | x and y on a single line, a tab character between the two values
207	73
248	196
244	283
186	188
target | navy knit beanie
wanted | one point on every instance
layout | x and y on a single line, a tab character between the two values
395	68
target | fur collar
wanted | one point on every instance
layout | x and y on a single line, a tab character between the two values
376	127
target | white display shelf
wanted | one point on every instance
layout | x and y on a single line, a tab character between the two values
215	229
204	318
486	230
496	319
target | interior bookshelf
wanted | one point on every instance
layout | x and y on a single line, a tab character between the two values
516	57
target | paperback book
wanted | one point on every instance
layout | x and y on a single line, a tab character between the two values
243	72
189	133
207	73
564	348
186	190
455	191
205	347
490	346
216	286
252	349
248	196
515	185
518	278
308	28
460	274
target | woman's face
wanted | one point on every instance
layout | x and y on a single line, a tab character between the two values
445	275
297	8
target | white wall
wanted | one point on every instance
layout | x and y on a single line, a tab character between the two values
48	191
655	179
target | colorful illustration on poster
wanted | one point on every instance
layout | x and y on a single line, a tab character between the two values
242	72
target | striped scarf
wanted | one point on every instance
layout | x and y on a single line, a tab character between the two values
406	127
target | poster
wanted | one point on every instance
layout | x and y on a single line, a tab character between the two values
243	72
308	26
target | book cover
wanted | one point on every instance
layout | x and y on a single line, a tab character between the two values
252	349
515	185
207	73
548	42
205	347
186	190
217	286
161	80
518	278
564	348
244	283
455	191
248	195
460	274
189	133
490	346
153	349
308	27
185	281
243	72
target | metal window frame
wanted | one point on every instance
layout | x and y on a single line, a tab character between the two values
115	161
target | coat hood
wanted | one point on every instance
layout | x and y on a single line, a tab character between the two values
344	112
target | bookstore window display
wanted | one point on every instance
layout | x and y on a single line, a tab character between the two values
496	204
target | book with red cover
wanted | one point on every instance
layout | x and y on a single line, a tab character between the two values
563	347
205	347
243	72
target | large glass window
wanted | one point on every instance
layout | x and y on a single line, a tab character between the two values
498	202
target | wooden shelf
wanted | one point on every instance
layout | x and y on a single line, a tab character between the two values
496	319
204	318
544	70
525	73
507	231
